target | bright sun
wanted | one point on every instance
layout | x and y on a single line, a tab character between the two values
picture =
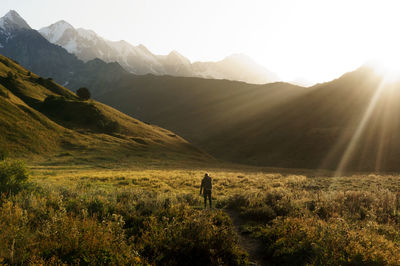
388	67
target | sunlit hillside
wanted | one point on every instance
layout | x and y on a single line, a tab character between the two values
40	118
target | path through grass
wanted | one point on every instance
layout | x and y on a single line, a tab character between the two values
254	247
295	216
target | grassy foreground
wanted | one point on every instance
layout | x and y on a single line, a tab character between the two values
144	216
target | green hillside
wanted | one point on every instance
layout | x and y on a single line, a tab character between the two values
41	119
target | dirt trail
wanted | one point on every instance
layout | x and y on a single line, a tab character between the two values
252	246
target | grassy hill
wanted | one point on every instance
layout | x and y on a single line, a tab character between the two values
43	120
275	124
195	107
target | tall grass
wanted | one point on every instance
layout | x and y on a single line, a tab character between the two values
118	223
116	216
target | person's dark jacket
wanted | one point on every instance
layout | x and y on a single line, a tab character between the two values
206	185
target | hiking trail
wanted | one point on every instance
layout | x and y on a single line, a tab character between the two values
252	246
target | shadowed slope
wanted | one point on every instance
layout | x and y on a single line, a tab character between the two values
194	107
276	124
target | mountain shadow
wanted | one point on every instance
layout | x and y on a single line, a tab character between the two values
349	123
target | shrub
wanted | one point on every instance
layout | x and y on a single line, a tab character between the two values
323	213
107	126
3	155
309	241
83	93
33	236
85	241
53	102
13	176
238	201
10	75
184	236
96	207
261	214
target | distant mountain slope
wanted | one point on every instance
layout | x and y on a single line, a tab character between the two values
196	107
19	42
235	67
314	130
40	118
25	45
87	45
12	21
200	109
349	123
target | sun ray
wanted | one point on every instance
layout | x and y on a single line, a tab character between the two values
360	130
385	130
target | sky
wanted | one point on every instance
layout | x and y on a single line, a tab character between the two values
313	40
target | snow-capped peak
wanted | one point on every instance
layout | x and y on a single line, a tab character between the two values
87	45
12	21
55	31
87	34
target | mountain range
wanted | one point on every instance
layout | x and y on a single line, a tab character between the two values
347	123
29	48
87	45
84	51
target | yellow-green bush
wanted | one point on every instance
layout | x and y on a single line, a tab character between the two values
156	217
30	236
183	236
93	226
313	241
13	176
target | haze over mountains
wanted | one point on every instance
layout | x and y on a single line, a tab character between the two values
87	45
344	123
27	46
349	123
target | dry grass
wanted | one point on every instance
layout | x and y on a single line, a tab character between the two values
301	217
366	205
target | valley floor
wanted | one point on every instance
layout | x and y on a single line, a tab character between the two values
94	215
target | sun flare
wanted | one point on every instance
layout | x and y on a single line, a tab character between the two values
388	67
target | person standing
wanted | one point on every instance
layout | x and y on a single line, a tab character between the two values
206	188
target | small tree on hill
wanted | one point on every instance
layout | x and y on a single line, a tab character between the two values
83	93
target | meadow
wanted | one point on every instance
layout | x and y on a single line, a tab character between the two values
91	215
